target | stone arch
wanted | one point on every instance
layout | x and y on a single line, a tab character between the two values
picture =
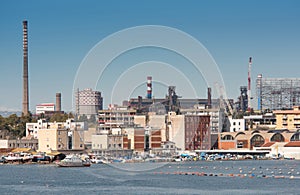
227	137
256	141
277	137
295	137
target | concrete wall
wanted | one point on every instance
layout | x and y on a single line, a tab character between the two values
47	140
140	120
99	142
3	143
88	135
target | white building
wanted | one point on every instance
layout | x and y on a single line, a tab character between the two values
32	128
42	108
237	124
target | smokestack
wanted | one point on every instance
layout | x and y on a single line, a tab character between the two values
249	84
149	87
208	97
58	102
25	70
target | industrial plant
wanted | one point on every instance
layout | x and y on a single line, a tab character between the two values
169	125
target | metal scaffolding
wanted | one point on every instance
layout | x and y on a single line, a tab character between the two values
277	93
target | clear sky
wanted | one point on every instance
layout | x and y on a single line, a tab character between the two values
62	32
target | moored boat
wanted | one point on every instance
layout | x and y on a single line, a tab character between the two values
74	161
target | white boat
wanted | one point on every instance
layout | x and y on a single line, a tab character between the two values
74	161
12	157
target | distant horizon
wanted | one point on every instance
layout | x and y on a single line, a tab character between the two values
60	35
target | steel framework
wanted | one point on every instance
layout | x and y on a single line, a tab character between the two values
277	93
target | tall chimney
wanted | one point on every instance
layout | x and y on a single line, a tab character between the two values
25	70
149	87
58	102
209	98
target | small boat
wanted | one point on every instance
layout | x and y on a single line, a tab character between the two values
74	161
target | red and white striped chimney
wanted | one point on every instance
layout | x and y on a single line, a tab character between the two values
149	87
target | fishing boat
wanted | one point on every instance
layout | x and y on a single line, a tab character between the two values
74	161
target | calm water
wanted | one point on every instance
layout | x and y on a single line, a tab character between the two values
153	178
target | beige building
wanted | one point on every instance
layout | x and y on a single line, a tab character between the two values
288	119
140	120
176	129
158	122
25	142
100	142
58	137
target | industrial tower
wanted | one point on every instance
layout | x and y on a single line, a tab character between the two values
25	105
249	84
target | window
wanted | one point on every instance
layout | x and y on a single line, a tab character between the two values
47	146
59	145
80	145
233	123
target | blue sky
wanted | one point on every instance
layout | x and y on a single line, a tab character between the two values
61	33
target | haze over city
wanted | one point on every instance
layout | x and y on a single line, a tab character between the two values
60	35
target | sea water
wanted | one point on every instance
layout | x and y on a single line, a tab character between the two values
200	177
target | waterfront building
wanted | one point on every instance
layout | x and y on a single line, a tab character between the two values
25	142
115	145
288	119
88	102
57	136
167	148
251	139
189	132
